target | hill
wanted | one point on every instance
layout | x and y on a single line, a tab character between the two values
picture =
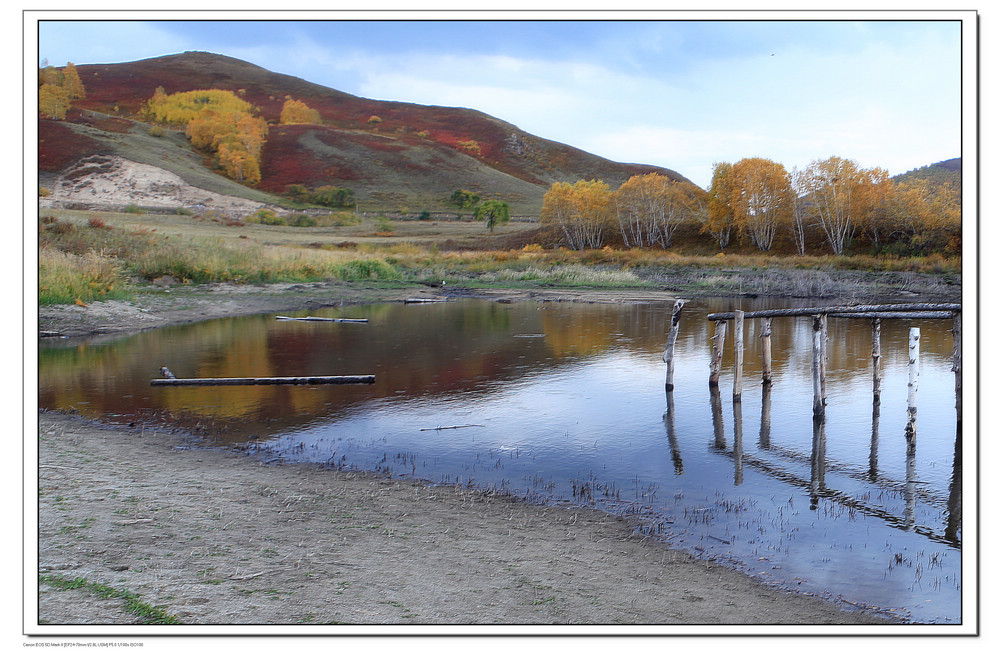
410	158
948	171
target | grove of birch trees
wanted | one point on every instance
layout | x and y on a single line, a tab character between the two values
833	205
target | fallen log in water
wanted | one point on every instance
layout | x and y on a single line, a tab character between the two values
320	318
415	301
315	379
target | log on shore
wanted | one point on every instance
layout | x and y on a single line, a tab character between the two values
308	380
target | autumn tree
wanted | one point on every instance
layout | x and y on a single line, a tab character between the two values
760	199
53	101
296	112
581	211
494	212
718	214
72	83
650	208
57	89
799	211
841	196
217	121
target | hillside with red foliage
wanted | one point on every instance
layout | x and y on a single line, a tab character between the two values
415	155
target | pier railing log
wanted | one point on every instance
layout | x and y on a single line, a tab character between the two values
849	309
316	379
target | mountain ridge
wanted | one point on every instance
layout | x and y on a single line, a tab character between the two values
413	156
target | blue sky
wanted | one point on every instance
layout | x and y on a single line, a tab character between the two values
683	94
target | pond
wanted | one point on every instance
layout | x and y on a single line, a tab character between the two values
564	403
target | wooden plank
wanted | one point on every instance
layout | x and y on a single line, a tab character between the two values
738	355
320	318
668	354
956	366
877	358
819	401
913	378
853	309
906	315
308	380
715	366
765	350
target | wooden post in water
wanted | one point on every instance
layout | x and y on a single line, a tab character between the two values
818	370
824	340
913	370
765	350
956	366
877	358
668	354
738	356
715	367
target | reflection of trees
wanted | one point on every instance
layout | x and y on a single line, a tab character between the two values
414	351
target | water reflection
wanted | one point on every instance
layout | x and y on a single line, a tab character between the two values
564	404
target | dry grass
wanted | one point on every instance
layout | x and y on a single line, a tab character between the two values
87	255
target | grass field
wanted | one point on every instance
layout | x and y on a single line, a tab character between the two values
85	256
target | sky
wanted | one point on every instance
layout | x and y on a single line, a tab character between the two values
683	94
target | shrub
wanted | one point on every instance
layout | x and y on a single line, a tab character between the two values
266	217
367	269
302	220
134	209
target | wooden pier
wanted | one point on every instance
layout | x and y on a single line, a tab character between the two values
820	315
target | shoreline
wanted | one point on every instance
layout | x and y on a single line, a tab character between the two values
216	537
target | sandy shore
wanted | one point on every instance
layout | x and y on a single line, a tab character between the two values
213	538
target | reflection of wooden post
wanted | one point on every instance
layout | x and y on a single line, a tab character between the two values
765	416
765	350
668	354
818	460
717	425
738	355
877	358
818	370
716	365
873	450
956	366
675	449
911	388
737	442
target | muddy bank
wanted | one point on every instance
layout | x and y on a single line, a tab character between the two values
210	537
174	304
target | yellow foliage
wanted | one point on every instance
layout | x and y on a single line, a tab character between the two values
296	112
217	121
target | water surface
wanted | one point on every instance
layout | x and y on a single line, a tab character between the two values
564	403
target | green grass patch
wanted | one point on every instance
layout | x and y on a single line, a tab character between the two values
148	614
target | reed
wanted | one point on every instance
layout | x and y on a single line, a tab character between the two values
65	278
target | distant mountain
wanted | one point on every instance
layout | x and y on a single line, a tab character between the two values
948	171
409	157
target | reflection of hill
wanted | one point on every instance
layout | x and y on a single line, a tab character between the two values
414	351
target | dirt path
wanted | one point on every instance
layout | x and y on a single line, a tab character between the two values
216	537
